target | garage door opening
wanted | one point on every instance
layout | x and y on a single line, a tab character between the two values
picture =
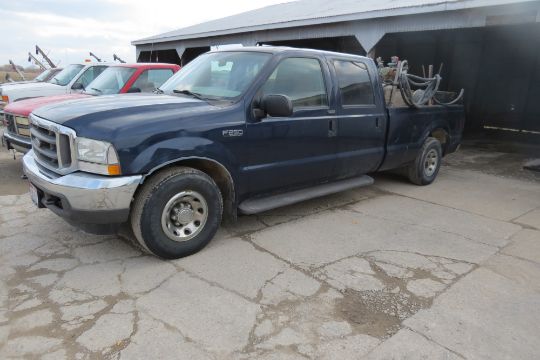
499	68
347	44
163	56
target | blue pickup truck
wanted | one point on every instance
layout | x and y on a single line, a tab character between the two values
235	131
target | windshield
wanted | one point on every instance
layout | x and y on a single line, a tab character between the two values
65	76
217	76
110	81
43	76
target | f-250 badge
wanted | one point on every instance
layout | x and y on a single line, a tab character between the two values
232	133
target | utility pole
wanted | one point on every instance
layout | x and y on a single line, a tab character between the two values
17	70
116	57
31	58
95	57
49	61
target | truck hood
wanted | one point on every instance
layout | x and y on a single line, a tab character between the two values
105	116
25	107
32	90
8	84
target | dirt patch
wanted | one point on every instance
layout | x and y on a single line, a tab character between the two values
378	313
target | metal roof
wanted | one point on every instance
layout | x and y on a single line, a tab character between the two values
312	12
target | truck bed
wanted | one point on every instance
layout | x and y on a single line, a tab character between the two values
408	127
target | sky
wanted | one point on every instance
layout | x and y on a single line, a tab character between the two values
69	29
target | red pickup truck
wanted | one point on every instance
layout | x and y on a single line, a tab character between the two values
116	79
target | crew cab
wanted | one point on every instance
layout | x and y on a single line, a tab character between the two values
72	79
116	79
235	131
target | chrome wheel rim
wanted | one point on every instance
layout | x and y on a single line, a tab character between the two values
184	216
430	162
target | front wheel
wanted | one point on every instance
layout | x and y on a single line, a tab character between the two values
177	212
425	167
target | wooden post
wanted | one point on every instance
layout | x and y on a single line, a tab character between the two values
430	75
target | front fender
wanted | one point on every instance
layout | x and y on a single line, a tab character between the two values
175	149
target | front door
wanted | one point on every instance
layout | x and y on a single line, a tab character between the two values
300	149
361	119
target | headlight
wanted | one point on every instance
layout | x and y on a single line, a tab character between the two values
97	157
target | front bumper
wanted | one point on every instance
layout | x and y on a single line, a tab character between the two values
19	143
82	198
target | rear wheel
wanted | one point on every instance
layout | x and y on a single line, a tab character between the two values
425	167
177	212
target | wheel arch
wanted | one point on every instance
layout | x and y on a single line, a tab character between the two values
442	135
217	171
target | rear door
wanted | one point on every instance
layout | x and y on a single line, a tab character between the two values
300	149
361	117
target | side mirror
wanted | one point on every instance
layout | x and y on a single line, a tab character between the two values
277	105
78	86
133	90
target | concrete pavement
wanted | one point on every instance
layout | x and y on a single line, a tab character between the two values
393	271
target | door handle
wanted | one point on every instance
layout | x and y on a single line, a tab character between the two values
332	128
376	122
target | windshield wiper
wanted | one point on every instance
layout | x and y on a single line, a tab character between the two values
98	90
158	91
189	93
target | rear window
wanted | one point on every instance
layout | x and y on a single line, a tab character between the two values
354	83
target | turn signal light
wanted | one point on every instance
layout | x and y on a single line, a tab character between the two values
114	169
5	98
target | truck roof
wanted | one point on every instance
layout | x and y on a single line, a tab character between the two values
282	49
147	65
131	65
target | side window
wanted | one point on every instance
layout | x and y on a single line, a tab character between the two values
90	74
354	83
151	79
301	79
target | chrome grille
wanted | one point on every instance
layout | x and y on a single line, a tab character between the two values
10	120
44	145
22	125
53	145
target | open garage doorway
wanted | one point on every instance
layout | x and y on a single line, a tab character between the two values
164	56
498	66
347	44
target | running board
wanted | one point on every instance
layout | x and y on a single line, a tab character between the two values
257	205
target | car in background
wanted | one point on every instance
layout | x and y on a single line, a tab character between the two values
116	79
46	75
72	79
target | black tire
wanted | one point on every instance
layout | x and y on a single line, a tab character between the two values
149	207
422	171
